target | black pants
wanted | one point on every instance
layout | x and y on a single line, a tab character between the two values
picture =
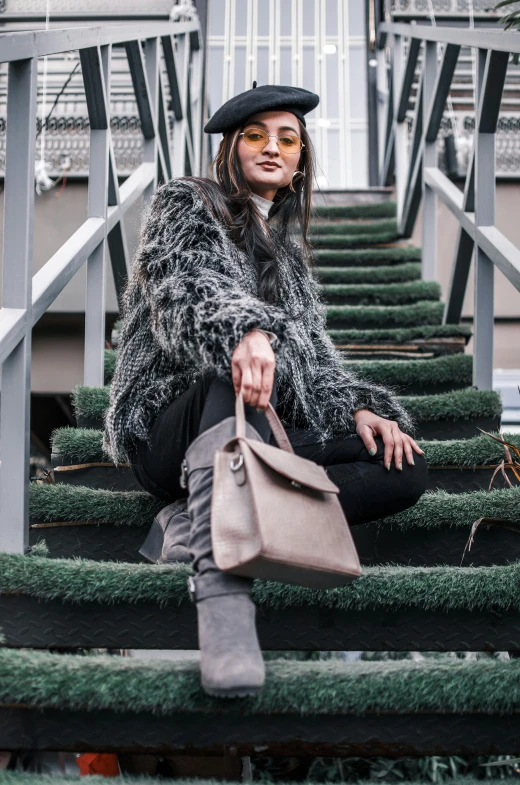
368	491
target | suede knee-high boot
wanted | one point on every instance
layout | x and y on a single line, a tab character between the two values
167	540
231	661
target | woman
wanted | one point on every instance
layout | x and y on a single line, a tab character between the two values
221	301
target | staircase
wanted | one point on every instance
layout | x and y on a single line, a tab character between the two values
83	584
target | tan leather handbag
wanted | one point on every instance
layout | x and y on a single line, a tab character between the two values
275	515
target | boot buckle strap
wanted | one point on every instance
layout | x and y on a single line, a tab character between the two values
183	479
192	589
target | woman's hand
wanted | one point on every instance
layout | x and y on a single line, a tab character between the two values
396	442
252	369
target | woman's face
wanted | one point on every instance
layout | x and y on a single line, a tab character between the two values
264	179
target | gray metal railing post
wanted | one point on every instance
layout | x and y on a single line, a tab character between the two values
401	134
484	216
429	214
96	75
17	294
180	127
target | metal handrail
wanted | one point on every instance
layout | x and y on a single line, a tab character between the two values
417	176
25	298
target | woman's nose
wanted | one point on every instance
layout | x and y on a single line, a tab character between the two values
271	146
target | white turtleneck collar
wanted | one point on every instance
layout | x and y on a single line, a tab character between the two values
264	205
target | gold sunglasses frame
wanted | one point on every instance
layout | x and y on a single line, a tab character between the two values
242	133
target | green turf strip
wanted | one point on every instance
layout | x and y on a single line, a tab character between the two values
359	227
456	405
448	369
104	682
380	293
84	444
401	334
463	404
368	256
384	316
110	364
79	503
389	587
334	211
409	271
90	401
373	237
136	508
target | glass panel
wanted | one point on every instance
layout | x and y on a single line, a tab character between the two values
240	70
331	63
308	68
333	164
217	17
285	17
263	17
285	65
358	83
308	25
331	16
240	17
262	70
359	158
356	18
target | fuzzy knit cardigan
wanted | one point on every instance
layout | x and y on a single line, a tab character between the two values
191	297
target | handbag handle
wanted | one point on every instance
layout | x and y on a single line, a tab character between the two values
274	421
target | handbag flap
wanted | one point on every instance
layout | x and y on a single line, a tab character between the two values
292	466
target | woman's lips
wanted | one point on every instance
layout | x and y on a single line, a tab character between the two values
269	166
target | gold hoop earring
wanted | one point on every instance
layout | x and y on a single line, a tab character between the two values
302	177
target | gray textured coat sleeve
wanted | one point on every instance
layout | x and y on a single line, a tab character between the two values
199	311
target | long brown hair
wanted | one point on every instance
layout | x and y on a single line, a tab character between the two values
229	197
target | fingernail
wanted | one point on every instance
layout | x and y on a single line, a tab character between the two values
400	467
387	466
413	462
372	451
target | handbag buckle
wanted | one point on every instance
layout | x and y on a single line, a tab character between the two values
235	467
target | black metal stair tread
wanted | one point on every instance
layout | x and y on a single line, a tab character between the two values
376	543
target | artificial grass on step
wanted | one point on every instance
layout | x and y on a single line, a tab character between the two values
380	293
398	335
409	271
347	229
62	502
136	508
384	587
122	684
395	254
454	369
370	237
384	316
85	444
335	211
457	405
463	404
90	401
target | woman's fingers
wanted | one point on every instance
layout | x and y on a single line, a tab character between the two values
246	383
236	376
415	446
267	386
398	450
366	433
389	442
408	450
256	382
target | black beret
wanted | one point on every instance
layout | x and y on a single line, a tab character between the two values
259	99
